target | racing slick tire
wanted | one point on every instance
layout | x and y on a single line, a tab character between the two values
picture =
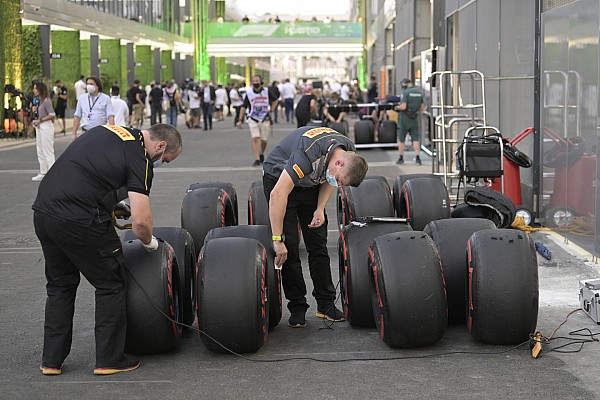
338	127
262	233
425	200
363	131
153	292
353	246
450	237
407	289
258	208
183	244
387	131
373	198
503	289
203	210
226	186
232	295
399	203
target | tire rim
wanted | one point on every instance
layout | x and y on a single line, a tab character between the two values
526	216
562	217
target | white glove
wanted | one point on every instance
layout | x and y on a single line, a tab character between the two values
152	246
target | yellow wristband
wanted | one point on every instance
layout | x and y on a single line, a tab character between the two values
276	238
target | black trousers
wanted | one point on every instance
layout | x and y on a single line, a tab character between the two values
155	113
301	205
96	252
207	111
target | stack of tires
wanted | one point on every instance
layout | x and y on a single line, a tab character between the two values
457	271
211	269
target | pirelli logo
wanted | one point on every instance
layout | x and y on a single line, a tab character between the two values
298	171
317	131
121	132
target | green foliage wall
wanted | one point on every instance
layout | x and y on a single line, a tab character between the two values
68	67
165	59
32	57
144	55
13	44
111	71
85	57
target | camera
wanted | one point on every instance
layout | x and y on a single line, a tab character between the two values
12	90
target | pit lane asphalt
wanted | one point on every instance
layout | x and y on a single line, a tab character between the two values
192	372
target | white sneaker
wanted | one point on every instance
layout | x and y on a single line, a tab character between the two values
38	177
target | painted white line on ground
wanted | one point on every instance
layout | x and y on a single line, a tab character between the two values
192	169
20	248
95	382
21	252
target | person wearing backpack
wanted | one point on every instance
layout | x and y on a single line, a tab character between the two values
411	103
173	100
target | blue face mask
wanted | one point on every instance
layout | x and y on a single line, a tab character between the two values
158	163
330	178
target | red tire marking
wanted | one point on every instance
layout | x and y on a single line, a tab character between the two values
471	308
250	210
405	193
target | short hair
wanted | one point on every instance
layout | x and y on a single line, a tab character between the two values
168	133
115	90
356	167
57	81
96	81
259	77
136	82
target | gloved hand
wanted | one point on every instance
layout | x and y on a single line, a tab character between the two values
152	246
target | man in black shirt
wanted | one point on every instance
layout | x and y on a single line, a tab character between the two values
299	176
61	104
156	97
372	91
72	219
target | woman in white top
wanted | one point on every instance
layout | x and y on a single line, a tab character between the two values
236	102
220	100
44	129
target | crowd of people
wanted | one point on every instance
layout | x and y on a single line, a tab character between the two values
199	103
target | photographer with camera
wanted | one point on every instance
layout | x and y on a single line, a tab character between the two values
44	129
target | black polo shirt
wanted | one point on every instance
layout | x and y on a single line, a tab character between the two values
96	164
304	153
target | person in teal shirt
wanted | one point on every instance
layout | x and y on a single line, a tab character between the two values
411	103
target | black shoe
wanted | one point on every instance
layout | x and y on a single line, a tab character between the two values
331	313
256	163
400	160
418	160
297	319
261	158
128	364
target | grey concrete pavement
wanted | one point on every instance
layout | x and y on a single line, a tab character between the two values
448	369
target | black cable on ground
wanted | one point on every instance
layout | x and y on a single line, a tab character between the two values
574	338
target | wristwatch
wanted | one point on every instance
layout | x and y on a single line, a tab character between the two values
277	238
